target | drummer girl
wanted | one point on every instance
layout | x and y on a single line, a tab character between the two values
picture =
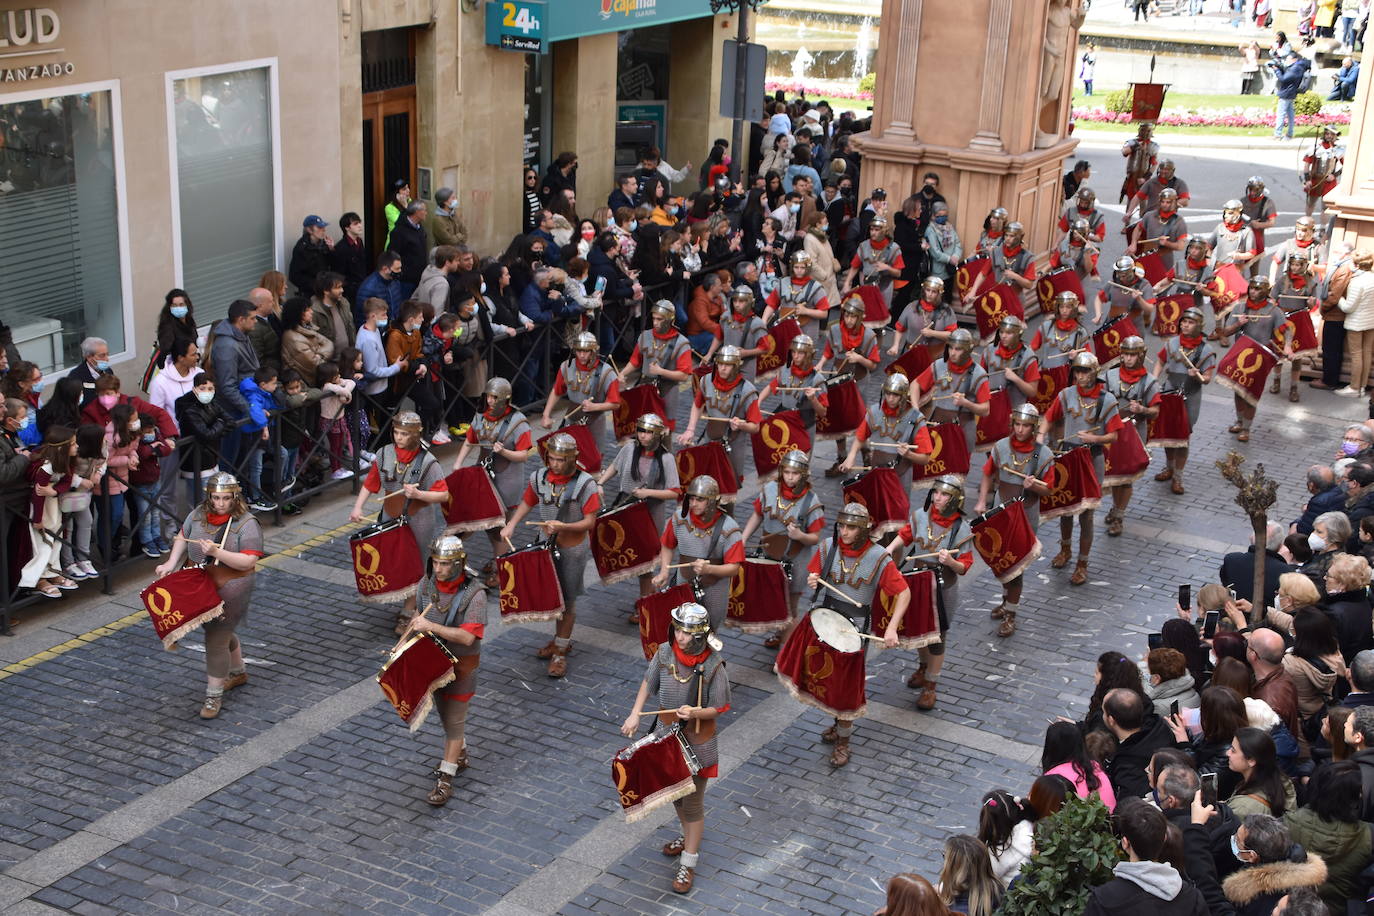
687	677
792	516
501	436
707	541
804	384
938	537
1138	398
1062	334
892	430
854	349
566	499
646	470
1187	362
730	404
414	482
221	531
856	567
925	322
1017	465
458	597
662	356
588	383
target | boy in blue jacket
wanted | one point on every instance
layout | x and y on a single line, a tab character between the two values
260	393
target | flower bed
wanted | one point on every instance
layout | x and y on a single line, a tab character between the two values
1245	117
818	89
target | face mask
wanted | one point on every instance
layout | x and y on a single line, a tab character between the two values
102	365
135	427
634	224
589	234
38	386
179	311
149	437
673	210
205	397
26	422
725	161
484	287
942	218
793	208
1316	541
1235	849
108	400
1347	448
383	322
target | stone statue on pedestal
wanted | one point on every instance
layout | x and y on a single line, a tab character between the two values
1061	19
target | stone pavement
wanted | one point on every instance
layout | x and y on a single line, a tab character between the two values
307	794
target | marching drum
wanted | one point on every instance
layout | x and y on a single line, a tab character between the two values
996	426
846	408
711	459
822	664
655	614
654	771
634	403
180	602
876	311
530	589
588	453
386	561
473	501
419	666
1125	460
758	597
924	617
1075	487
625	542
1004	538
775	343
1170	427
883	493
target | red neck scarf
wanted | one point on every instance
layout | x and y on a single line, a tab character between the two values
559	478
1190	342
1008	354
724	385
666	335
1131	376
216	519
699	522
788	493
690	661
1018	446
855	551
959	368
944	521
800	372
1196	264
451	586
1256	306
888	411
850	340
1066	325
1094	392
406	455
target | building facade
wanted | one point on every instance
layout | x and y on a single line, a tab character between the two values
147	146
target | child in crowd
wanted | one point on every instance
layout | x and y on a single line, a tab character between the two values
143	489
338	392
88	466
260	393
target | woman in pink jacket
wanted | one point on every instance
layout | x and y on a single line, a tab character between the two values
1065	755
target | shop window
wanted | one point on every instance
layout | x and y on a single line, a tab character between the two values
224	179
60	227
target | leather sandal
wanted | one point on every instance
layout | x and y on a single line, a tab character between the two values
839	756
1080	572
462	762
1234	428
682	882
236	680
1275	385
1177	486
442	791
1061	559
1293	394
1243	435
830	735
547	650
1115	523
1008	625
211	707
918	678
773	640
998	612
558	663
675	847
1166	474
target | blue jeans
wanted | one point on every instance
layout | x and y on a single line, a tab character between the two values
701	341
250	454
1348	31
1284	117
1087	87
142	502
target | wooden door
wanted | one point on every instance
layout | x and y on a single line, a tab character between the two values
389	129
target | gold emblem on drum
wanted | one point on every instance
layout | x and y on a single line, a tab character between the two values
505	574
1169	310
402	706
366	560
622	779
775	434
827	667
1249	360
687	466
1112	339
160	604
610	534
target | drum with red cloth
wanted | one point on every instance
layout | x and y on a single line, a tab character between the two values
711	459
386	561
655	771
822	664
474	504
1168	310
948	455
758	597
912	363
1062	280
180	602
846	408
420	665
972	275
1108	339
921	624
634	403
1074	486
1126	459
1246	367
777	435
625	542
775	344
1152	267
884	494
588	452
529	584
876	311
1052	381
1004	538
1300	333
1170	427
656	614
996	426
995	304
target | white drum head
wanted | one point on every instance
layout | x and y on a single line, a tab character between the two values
835	630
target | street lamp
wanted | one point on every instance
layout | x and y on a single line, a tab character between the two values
741	8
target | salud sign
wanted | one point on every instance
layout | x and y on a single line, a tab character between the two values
516	25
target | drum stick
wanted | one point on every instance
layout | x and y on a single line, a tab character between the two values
923	556
656	712
1128	289
1184	356
1081	431
886	446
794	388
1302	298
838	592
571	412
872	637
680	565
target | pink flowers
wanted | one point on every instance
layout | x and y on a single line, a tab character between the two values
1248	118
820	89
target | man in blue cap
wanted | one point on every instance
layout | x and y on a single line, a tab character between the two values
310	256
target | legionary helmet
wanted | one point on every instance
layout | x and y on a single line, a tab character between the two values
801	259
1297	264
449	549
499	389
1015	233
562	445
1012	323
961	339
897	383
1081	226
1086	360
692	618
586	341
1305	228
1123	271
1199	244
852	306
729	355
1087	198
704	487
1166	165
1066	297
878	222
796	460
1194	313
1133	344
1254	185
222	482
804	343
933	284
652	423
1231	211
1258	288
1025	413
857	515
997	213
408	421
1168	196
743	294
663	309
950	484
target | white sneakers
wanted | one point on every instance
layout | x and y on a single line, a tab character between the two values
341	474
